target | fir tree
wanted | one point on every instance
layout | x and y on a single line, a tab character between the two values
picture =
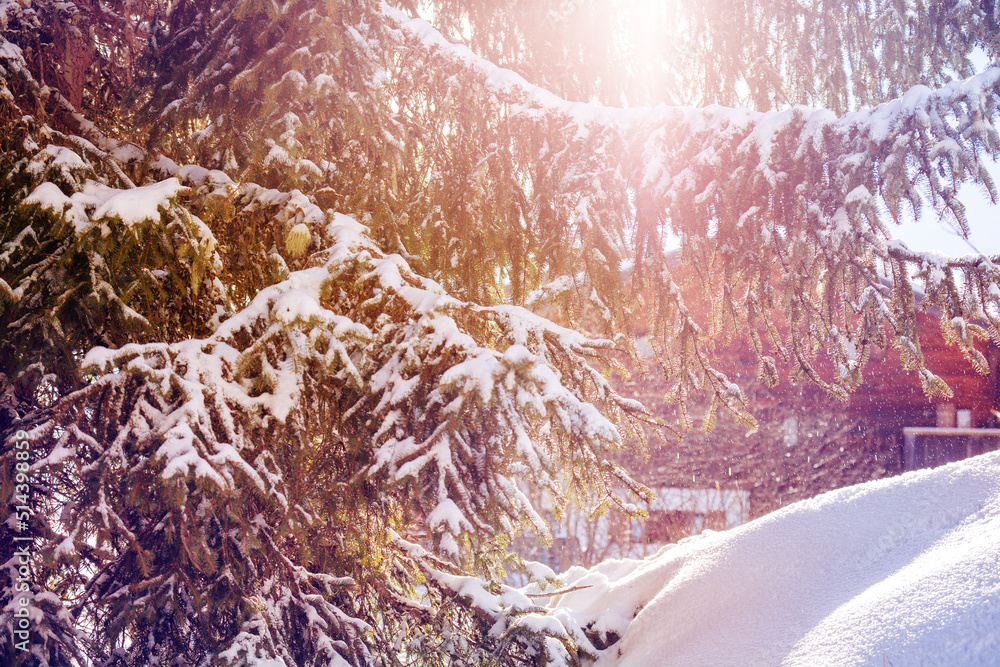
299	297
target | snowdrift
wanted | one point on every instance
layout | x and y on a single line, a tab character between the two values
901	571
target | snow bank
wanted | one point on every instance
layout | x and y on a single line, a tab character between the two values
902	571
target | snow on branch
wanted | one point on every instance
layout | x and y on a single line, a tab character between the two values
930	132
446	404
787	207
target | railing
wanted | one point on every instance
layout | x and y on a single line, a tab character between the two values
928	447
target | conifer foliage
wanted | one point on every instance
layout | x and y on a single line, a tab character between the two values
299	297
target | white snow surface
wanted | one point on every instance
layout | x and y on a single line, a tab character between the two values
96	201
901	571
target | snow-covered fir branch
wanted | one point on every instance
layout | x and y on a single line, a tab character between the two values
301	297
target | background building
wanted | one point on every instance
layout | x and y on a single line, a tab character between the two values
807	442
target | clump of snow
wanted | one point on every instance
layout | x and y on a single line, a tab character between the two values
139	204
57	159
96	202
905	570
